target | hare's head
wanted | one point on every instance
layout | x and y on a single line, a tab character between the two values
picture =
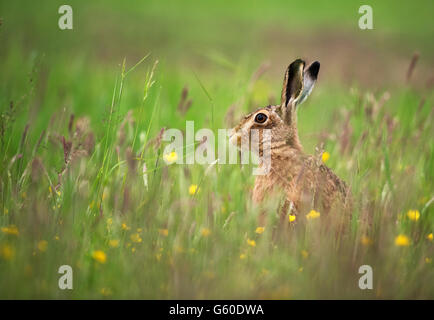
281	120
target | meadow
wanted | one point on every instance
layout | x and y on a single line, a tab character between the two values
84	182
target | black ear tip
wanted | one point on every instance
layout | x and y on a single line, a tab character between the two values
314	69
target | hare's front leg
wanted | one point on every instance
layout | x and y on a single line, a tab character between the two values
258	196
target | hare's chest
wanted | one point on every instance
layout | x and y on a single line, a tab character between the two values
266	186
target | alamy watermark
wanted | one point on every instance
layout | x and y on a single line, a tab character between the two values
65	20
366	280
65	281
366	20
254	146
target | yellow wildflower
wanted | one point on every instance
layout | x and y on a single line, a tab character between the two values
300	269
304	254
291	218
205	232
106	292
42	245
192	190
139	230
133	249
163	232
158	256
171	157
429	237
114	243
313	215
109	222
325	156
260	230
251	243
413	215
56	237
243	256
402	241
99	256
12	230
135	238
7	252
366	241
5	211
125	227
428	260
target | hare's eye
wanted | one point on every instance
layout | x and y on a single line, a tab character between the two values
260	118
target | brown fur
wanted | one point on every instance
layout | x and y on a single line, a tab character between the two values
306	181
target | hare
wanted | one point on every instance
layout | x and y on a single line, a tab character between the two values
306	182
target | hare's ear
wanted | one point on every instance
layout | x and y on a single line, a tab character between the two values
310	76
293	82
292	89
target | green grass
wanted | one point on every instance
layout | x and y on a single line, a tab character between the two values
64	212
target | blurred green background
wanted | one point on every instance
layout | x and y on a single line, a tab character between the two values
372	117
220	42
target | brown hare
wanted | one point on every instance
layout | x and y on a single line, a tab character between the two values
304	180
